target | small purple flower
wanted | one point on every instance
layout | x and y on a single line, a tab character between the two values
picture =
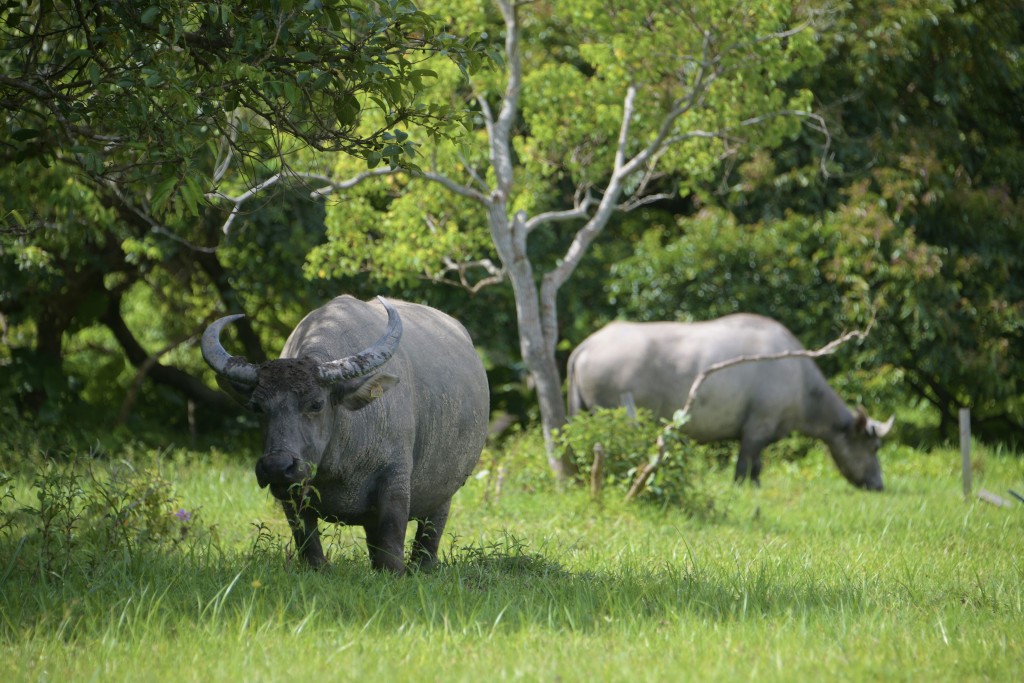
183	515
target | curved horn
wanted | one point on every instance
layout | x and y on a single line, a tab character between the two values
882	428
365	362
222	362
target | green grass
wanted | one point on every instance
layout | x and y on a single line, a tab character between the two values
804	579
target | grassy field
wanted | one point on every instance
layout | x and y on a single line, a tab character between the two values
804	579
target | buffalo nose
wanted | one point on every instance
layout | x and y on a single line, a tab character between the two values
279	468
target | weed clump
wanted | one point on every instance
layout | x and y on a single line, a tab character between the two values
642	458
83	515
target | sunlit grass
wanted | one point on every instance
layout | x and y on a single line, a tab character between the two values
803	579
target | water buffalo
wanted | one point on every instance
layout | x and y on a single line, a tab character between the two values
345	441
756	403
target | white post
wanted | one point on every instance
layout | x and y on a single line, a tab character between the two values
965	449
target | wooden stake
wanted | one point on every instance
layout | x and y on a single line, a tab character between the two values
597	471
965	449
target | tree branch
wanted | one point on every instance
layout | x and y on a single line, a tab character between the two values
332	186
242	198
163	374
801	353
557	276
579	211
132	394
496	274
501	131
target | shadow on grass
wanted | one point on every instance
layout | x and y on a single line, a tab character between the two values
476	590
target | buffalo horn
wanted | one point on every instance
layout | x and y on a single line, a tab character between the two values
367	361
222	362
880	429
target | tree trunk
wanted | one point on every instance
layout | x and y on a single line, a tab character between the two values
179	380
247	336
48	359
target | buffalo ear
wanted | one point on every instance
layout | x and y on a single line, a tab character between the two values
236	390
360	392
861	420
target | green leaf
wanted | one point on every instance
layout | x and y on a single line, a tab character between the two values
429	73
322	80
333	18
291	93
23	134
162	194
150	14
18	218
191	194
347	111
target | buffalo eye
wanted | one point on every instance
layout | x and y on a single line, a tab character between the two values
316	406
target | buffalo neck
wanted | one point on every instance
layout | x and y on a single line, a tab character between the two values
826	415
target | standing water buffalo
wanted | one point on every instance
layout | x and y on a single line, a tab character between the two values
756	403
346	442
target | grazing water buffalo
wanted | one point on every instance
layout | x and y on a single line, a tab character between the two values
756	403
345	441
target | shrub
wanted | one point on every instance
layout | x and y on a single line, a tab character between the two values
677	466
86	514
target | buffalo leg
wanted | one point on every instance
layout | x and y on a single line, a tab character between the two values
755	468
385	539
306	534
749	462
428	537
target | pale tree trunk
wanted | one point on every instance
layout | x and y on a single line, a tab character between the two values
537	341
536	306
537	310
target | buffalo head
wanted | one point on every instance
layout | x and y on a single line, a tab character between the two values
299	400
855	450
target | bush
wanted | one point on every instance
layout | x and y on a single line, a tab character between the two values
87	514
631	446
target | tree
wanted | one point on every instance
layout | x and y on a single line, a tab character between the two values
635	102
130	93
927	173
121	120
917	227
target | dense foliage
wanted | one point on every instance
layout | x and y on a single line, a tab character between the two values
131	135
125	125
916	231
638	458
174	93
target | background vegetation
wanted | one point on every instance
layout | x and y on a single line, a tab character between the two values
112	259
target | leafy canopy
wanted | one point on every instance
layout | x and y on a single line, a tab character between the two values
171	95
709	74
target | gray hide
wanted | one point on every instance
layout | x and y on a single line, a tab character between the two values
366	431
755	403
